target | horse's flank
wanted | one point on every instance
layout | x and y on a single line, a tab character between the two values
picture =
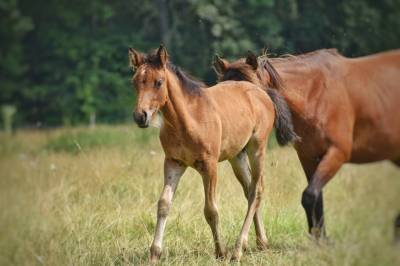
353	97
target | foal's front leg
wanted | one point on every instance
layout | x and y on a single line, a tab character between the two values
173	170
208	170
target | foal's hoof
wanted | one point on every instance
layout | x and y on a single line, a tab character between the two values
236	255
245	246
155	253
262	244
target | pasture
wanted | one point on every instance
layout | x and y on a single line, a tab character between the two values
79	196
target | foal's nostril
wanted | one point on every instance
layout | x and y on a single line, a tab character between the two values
140	118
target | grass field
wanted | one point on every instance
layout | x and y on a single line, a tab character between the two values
89	197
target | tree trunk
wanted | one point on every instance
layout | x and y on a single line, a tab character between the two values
164	21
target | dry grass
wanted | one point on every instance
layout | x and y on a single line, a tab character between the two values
97	206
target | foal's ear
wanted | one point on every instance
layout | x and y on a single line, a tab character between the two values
220	65
251	60
162	55
135	58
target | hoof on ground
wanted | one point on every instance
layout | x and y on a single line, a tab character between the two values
245	246
155	254
220	254
262	244
237	254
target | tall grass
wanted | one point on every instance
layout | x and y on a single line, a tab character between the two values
96	205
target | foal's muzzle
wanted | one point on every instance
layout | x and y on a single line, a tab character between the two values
142	119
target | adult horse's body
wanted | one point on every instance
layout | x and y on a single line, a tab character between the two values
201	127
344	110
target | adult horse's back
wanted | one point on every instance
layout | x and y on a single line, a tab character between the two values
344	110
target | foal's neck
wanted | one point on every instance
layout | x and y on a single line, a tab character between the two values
175	112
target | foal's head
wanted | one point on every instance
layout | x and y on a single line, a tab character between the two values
149	81
255	70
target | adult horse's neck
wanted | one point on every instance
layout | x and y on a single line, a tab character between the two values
175	111
299	79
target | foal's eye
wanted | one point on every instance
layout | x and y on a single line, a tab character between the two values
158	83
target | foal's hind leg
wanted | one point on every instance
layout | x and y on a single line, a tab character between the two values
241	169
208	170
256	155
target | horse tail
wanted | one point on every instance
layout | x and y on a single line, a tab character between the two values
283	119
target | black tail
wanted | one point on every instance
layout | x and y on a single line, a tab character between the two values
397	230
283	119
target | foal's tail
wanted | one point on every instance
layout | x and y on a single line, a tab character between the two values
283	119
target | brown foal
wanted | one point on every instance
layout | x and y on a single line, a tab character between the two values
344	110
201	127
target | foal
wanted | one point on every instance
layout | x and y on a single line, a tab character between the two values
201	127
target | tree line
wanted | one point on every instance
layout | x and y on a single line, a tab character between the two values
64	62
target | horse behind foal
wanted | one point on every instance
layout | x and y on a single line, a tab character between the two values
230	121
344	109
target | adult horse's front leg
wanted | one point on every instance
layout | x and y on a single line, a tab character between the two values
333	159
256	154
208	170
173	170
310	164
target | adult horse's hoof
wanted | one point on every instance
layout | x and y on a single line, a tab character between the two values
220	254
155	253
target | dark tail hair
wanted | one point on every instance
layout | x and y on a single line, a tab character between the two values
283	119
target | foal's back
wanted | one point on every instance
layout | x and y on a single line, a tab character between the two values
243	111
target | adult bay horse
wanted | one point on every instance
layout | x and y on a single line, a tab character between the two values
229	121
344	111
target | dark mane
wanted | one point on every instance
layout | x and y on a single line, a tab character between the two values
235	74
189	83
275	79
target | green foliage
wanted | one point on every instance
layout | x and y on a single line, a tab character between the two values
63	61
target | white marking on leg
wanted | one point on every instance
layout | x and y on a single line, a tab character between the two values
172	174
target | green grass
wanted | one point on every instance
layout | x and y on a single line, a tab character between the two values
96	205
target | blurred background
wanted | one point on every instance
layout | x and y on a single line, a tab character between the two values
71	195
64	62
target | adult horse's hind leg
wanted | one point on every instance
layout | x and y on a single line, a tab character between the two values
173	170
397	230
256	149
241	169
208	170
397	221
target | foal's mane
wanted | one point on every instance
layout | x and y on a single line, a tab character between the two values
188	82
